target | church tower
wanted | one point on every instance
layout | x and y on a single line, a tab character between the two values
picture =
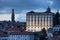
13	16
48	9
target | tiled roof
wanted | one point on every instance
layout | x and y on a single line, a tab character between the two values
17	33
21	33
57	25
12	29
3	35
39	13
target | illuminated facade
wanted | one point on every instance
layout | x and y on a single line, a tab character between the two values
36	21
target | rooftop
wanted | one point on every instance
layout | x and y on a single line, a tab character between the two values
21	33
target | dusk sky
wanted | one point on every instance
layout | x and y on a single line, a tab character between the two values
21	7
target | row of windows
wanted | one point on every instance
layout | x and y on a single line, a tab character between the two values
19	35
39	16
18	39
39	24
38	27
56	29
47	19
14	39
40	19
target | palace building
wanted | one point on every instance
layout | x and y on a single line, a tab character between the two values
36	21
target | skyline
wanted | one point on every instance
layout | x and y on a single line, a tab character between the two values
21	7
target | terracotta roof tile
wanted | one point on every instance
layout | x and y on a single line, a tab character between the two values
3	35
12	29
21	33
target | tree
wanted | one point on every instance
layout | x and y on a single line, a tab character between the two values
44	34
56	18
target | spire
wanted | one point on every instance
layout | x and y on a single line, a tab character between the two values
13	16
57	11
48	9
57	17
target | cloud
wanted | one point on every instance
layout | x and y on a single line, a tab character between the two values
23	6
21	18
7	17
50	2
5	10
29	4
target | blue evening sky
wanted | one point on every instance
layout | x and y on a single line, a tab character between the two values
23	6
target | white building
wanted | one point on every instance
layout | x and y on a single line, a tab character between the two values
55	34
18	36
36	21
21	36
56	28
3	36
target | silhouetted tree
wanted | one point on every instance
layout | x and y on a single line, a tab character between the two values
44	34
56	18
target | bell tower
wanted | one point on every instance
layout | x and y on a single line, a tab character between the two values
48	9
13	16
